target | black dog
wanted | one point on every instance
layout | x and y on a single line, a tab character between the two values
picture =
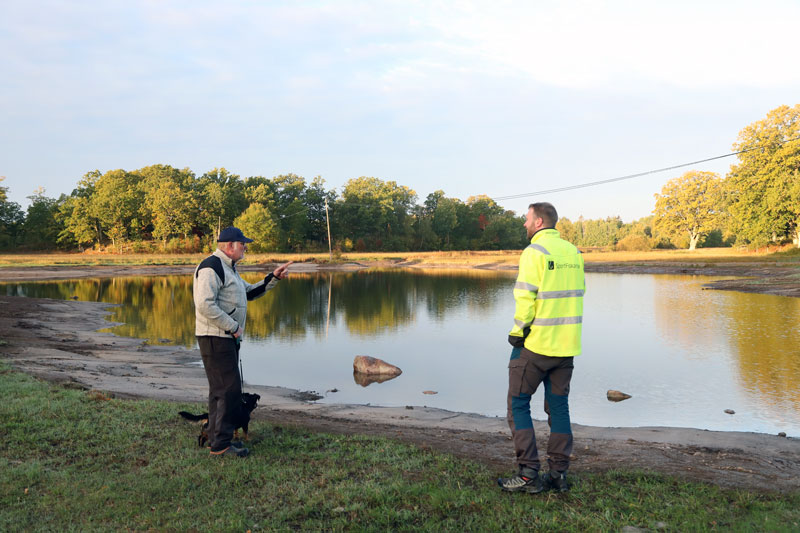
242	418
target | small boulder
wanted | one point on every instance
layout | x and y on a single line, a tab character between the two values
617	396
782	434
364	364
730	411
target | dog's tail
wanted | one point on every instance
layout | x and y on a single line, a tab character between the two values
195	418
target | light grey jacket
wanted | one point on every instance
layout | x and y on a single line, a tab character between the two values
221	295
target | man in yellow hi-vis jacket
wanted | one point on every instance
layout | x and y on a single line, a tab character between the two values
545	338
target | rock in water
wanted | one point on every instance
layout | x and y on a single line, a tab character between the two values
368	379
364	364
616	396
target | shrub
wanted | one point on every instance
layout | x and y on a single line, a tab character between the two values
634	243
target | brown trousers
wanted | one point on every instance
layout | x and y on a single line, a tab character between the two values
221	362
526	370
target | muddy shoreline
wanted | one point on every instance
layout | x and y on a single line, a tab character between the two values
58	341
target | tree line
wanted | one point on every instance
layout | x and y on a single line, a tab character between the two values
162	208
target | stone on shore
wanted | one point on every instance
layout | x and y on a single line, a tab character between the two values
364	364
616	396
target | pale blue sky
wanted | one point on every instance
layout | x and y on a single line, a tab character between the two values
494	98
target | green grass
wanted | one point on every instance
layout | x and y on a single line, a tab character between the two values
71	461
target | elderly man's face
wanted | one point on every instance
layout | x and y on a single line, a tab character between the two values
239	249
235	250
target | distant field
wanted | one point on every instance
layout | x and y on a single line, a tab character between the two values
466	258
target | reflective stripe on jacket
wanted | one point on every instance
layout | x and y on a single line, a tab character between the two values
549	296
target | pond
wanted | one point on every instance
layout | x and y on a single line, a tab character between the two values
683	353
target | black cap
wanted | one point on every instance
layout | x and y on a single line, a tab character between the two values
232	234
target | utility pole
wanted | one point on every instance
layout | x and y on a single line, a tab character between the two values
328	222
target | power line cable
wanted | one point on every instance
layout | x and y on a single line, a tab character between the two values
631	176
581	185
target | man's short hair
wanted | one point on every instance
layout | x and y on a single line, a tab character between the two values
546	212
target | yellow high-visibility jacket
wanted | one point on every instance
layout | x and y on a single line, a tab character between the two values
549	296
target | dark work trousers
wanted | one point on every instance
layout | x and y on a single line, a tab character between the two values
526	371
221	361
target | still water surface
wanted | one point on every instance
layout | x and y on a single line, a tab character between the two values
684	354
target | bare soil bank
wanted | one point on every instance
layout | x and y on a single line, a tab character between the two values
58	341
780	279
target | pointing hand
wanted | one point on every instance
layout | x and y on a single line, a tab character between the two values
282	271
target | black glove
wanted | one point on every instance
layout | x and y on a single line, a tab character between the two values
519	342
516	342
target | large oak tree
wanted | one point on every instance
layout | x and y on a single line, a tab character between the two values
764	187
690	205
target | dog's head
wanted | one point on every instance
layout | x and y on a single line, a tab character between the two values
250	400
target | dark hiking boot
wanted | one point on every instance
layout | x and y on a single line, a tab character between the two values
556	481
527	480
231	451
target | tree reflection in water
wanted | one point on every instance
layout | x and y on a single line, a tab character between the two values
368	302
688	353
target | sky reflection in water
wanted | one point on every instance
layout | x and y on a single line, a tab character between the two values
684	354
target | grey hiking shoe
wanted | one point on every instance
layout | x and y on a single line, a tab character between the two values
527	480
556	481
231	451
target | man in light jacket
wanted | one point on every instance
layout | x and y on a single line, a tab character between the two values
220	301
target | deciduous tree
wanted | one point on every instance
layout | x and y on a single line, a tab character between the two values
80	225
222	199
11	220
116	203
445	219
763	188
258	224
377	211
690	205
170	204
41	227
